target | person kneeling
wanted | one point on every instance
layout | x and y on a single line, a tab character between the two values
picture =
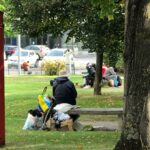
64	91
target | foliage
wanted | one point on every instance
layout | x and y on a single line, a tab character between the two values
107	7
52	67
7	24
80	19
2	5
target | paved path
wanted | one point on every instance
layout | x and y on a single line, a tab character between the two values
102	125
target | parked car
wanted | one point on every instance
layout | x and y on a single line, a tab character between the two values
41	50
25	56
10	49
58	54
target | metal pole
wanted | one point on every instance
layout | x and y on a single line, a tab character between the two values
19	54
2	97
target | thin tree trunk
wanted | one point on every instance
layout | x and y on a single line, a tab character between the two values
135	134
98	75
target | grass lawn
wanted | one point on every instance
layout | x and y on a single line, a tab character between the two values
20	95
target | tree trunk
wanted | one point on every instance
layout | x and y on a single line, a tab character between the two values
135	131
98	75
145	126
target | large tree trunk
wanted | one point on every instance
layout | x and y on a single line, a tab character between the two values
145	126
135	133
98	75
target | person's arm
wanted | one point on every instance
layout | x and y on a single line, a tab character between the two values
112	71
72	88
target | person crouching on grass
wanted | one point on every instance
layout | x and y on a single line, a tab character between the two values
26	67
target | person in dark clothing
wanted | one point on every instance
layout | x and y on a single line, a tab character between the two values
64	90
90	77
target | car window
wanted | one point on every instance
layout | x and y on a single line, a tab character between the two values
35	48
21	54
16	48
24	53
55	53
27	47
9	47
31	54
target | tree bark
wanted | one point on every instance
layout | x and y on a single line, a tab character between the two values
144	125
135	131
98	75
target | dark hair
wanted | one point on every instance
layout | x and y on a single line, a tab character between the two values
115	69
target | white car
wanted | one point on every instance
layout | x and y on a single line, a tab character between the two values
59	54
25	56
40	50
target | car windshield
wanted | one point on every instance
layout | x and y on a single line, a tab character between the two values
55	53
21	54
28	48
9	47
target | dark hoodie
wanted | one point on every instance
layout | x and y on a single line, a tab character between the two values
64	91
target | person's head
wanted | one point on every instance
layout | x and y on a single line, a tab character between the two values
88	65
63	73
103	65
115	69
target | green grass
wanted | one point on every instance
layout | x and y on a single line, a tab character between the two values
21	95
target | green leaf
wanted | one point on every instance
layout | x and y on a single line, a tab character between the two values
110	17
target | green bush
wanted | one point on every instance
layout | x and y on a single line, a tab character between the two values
52	67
